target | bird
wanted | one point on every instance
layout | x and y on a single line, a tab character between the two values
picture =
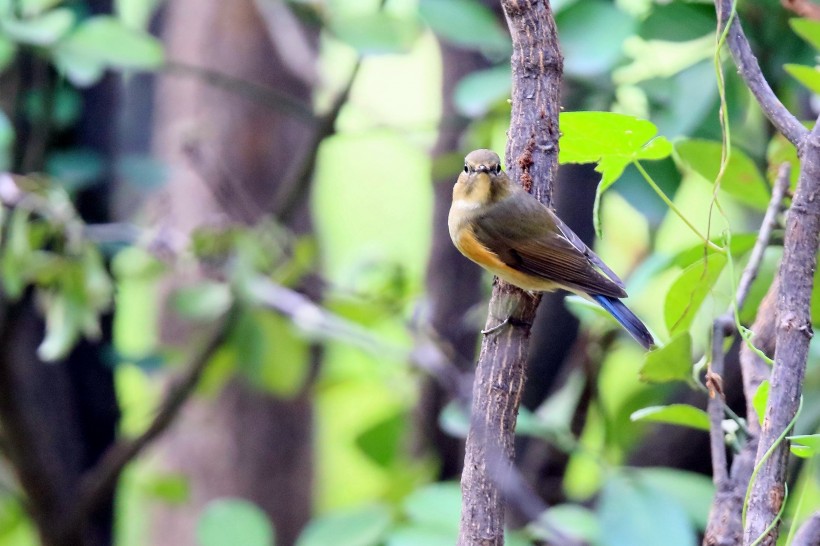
501	227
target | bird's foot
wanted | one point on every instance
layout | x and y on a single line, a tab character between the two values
497	327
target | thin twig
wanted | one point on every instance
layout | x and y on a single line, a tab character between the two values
723	326
97	484
261	94
764	234
749	70
296	183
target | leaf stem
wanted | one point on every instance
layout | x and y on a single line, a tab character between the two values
675	209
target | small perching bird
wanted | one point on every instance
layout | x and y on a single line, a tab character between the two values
507	231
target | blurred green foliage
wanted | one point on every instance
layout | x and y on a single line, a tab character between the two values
641	74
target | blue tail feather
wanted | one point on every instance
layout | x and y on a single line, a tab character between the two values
626	318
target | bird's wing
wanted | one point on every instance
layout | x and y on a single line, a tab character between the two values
528	237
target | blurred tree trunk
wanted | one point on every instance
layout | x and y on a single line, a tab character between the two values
228	156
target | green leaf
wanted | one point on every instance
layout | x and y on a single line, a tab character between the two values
592	35
364	526
466	23
780	151
570	519
63	327
43	30
102	42
809	76
437	506
454	421
633	513
169	488
61	109
742	179
381	441
805	446
740	244
611	140
136	13
760	399
205	301
228	522
6	141
692	491
674	414
661	58
29	8
476	93
672	362
8	49
376	33
76	169
807	29
689	290
415	536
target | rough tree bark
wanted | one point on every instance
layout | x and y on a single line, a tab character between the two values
532	160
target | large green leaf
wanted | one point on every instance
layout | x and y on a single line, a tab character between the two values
592	35
102	42
228	522
741	179
364	526
692	491
376	33
381	441
672	362
674	414
466	23
437	505
807	29
689	290
809	76
611	140
805	446
633	513
476	93
42	30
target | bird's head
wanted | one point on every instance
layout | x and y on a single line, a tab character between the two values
482	181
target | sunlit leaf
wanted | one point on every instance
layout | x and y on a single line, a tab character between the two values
692	491
570	519
381	441
632	512
169	488
29	8
611	140
689	290
42	30
437	505
466	23
741	179
204	301
592	34
360	527
740	244
376	33
809	76
805	446
760	399
807	29
477	92
228	522
672	362
674	414
661	58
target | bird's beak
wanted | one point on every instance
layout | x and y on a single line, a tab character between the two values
482	169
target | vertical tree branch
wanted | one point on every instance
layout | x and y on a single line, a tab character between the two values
794	332
532	160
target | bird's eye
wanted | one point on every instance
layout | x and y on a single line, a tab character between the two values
497	169
466	169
